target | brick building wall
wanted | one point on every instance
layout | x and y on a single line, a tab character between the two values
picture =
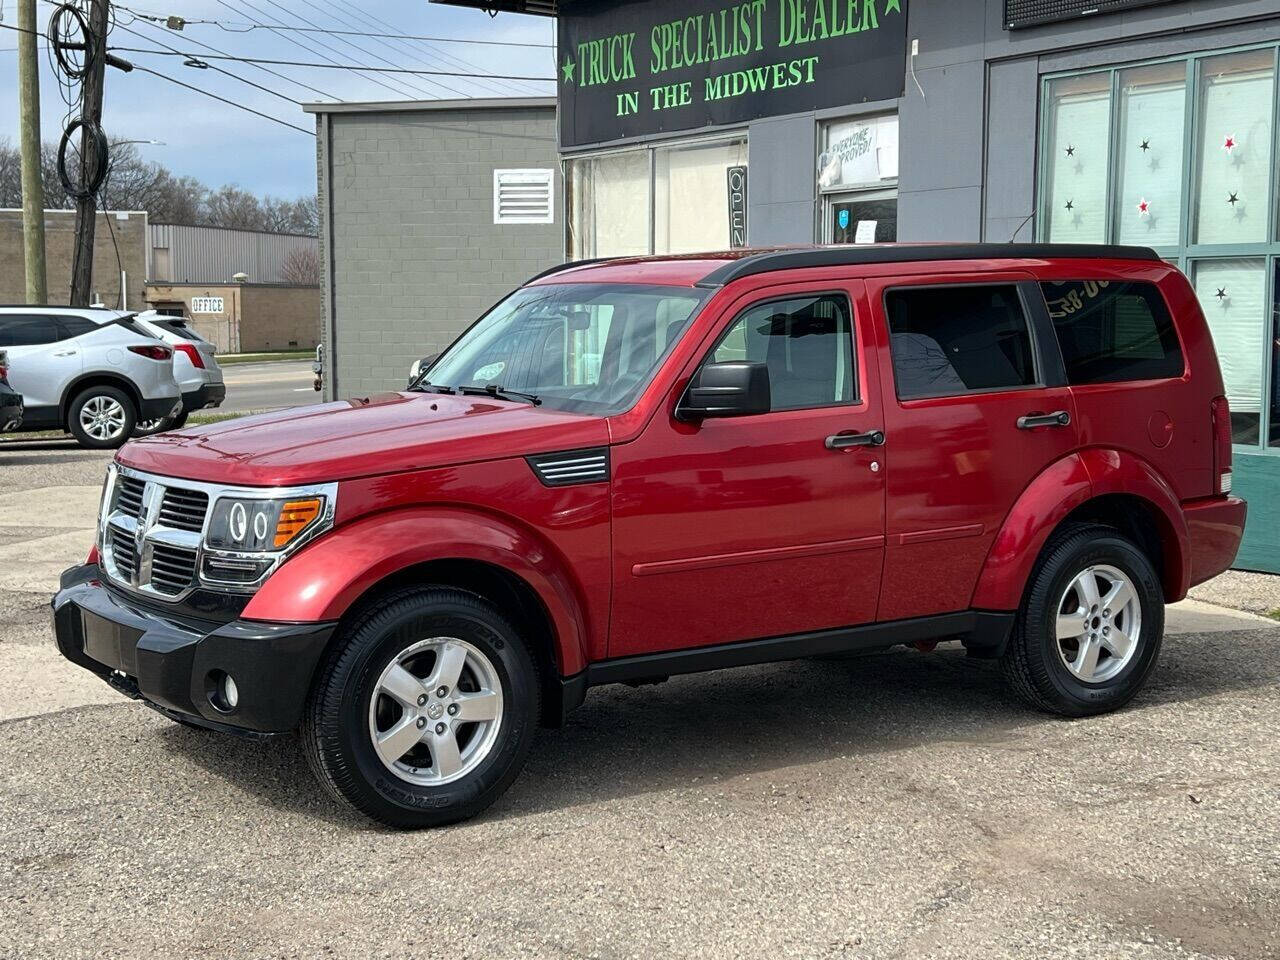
130	230
410	250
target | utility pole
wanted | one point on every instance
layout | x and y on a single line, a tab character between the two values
90	142
32	184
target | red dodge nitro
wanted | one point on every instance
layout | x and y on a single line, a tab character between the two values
637	468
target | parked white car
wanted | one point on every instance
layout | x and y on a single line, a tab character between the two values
194	367
92	372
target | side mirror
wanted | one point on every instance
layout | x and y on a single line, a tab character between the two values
733	388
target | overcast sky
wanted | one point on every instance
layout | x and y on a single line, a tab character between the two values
221	144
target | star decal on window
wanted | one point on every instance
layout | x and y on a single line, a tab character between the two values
1146	145
1230	143
1071	204
1144	208
1071	150
1233	199
1221	294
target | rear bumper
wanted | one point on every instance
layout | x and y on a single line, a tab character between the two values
168	662
11	411
1215	527
206	395
159	408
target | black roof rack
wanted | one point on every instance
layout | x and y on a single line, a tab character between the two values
853	255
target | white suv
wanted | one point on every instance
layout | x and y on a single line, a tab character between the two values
93	372
194	367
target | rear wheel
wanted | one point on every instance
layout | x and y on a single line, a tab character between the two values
147	428
101	417
1090	628
425	712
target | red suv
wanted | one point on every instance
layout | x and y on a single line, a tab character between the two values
638	468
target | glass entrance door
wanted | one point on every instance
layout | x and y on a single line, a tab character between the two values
868	216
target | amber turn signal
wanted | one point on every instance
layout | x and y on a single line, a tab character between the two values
295	516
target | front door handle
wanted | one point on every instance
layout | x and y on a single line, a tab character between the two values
842	441
1059	418
65	353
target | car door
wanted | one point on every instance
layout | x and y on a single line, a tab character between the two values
976	406
756	526
44	359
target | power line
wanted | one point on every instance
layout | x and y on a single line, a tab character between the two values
239	106
226	73
267	70
374	79
357	67
232	27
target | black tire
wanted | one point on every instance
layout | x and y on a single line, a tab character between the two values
106	395
178	422
149	428
335	727
1032	662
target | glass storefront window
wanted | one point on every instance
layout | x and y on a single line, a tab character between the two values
691	191
1233	295
1077	161
1152	106
1274	439
609	205
1233	147
860	152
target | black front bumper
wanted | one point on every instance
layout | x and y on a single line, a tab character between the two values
167	661
209	395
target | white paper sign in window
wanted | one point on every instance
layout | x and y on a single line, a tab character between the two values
524	196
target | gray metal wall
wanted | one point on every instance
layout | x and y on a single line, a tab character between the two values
183	254
412	255
967	133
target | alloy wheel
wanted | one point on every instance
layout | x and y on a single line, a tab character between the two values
1099	623
102	418
435	711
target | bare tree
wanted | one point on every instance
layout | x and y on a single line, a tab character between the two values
301	267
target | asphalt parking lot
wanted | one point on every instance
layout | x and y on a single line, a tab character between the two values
898	805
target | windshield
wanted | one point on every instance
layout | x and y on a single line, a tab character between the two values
589	347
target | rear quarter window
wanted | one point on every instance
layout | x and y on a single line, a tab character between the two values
1111	332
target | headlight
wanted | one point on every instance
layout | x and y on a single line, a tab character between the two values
259	526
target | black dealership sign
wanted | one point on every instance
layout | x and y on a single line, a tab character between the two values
635	69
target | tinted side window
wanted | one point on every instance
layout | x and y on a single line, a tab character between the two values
949	340
75	326
1113	331
27	331
806	343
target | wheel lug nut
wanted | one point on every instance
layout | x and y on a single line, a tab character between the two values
422	700
442	691
422	722
453	709
441	728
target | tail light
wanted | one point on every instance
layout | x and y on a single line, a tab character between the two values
192	353
1221	444
152	353
4	373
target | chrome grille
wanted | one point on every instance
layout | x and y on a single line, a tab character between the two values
173	569
183	509
129	491
123	553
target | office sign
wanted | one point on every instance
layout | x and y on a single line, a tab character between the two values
662	66
207	305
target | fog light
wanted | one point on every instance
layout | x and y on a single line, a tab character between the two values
230	693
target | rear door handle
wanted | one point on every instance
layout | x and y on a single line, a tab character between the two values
65	353
843	441
1059	418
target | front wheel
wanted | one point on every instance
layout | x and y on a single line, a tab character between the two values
101	418
1090	628
425	711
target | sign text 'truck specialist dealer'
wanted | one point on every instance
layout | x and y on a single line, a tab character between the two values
632	69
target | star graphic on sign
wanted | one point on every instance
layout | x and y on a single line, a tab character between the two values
1071	150
1222	293
1233	199
1146	145
1144	208
567	70
1071	204
1230	143
892	5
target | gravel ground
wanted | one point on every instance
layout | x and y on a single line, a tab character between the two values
1242	590
898	805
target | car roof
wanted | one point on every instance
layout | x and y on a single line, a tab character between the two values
719	268
98	314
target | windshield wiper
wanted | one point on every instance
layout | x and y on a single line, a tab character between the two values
423	386
500	393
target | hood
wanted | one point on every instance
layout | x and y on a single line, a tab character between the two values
388	433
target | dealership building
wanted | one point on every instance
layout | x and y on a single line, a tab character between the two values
687	125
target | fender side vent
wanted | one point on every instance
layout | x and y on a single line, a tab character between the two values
570	467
